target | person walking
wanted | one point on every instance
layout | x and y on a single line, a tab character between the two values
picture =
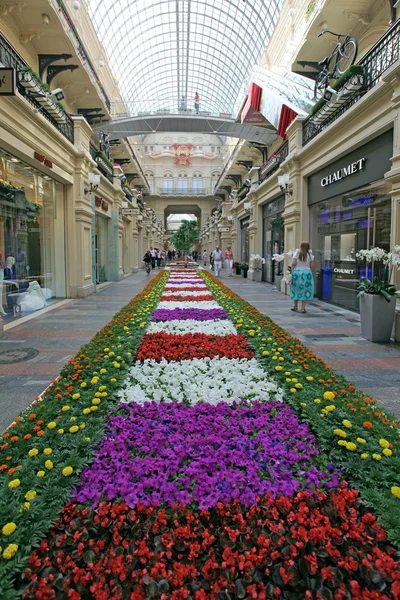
205	258
153	257
218	258
147	259
302	277
158	257
229	261
197	103
163	259
182	104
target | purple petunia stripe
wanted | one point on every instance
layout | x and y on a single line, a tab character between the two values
184	314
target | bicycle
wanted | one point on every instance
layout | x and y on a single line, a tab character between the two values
341	58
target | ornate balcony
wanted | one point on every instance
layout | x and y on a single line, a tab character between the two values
33	91
274	162
182	192
381	56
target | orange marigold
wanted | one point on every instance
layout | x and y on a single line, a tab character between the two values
368	424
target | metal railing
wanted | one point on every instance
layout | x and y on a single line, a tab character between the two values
381	56
82	52
182	192
94	153
274	162
10	58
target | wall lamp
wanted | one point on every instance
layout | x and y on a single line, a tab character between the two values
94	182
283	182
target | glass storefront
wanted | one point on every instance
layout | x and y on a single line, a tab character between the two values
32	253
244	240
101	242
273	238
341	226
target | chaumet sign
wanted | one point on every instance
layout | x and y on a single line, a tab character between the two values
351	169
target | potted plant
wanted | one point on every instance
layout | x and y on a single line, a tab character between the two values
256	263
378	295
278	258
244	268
238	267
287	281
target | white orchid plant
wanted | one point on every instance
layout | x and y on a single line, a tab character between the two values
380	286
256	262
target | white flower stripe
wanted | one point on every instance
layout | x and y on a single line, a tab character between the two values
218	327
197	292
199	380
207	305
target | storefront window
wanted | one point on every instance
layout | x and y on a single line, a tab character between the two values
31	236
101	248
273	237
244	234
342	226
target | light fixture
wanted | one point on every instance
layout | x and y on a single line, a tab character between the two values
45	19
101	63
76	4
94	182
283	182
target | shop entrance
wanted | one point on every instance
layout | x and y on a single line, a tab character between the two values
101	248
273	238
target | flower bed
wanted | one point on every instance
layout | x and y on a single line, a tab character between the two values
360	437
211	465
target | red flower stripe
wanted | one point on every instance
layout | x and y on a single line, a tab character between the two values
183	288
311	546
170	346
172	298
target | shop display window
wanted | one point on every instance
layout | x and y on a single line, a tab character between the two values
342	226
32	257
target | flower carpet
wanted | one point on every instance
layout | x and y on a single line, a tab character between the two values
193	449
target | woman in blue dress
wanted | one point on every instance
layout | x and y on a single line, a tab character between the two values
302	277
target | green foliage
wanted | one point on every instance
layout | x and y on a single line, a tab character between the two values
338	84
104	157
186	236
378	287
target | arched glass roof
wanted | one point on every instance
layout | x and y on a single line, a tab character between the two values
163	50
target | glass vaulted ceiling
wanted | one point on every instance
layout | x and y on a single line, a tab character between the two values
161	50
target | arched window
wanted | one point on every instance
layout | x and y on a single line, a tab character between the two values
168	182
183	182
197	182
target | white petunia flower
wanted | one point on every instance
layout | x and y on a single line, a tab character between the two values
218	327
197	305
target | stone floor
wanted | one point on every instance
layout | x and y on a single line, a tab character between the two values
335	335
57	335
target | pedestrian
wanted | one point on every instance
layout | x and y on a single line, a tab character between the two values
197	103
218	258
147	259
169	254
205	258
163	258
212	261
302	277
153	257
158	258
182	104
229	260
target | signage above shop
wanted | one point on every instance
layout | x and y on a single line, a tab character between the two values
41	158
128	212
7	82
100	203
351	169
344	271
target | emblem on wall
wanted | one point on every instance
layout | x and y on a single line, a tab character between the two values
183	153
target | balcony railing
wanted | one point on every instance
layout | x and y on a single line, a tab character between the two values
82	52
10	58
381	56
273	163
182	192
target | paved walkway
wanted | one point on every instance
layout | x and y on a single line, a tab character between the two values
335	334
57	336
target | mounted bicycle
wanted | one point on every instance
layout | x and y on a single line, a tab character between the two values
341	58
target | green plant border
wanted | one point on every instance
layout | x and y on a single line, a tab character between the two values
338	84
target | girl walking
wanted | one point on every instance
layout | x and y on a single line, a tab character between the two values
302	277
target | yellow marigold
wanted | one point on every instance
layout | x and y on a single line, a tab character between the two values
76	396
341	442
347	423
40	474
10	551
293	390
94	380
303	404
47	451
361	440
74	428
33	452
87	439
340	433
96	401
116	365
309	378
14	483
294	379
97	395
31	495
113	380
48	464
83	384
387	452
106	349
9	528
93	408
384	443
364	455
25	506
67	471
330	407
350	446
82	426
298	386
329	396
60	431
52	425
396	491
102	388
317	401
86	411
278	368
377	457
65	408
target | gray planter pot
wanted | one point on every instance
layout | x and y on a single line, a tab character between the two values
257	276
278	281
377	317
